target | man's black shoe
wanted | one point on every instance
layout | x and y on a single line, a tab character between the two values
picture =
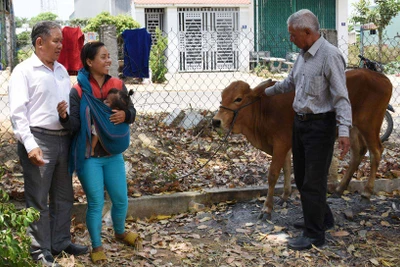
301	225
304	242
47	260
74	249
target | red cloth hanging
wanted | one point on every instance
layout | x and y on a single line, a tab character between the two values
73	40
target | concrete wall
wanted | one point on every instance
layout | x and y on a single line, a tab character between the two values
246	23
171	28
393	29
138	15
342	26
91	8
108	35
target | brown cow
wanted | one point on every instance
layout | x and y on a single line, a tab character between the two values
267	124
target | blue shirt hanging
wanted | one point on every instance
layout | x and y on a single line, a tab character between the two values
137	45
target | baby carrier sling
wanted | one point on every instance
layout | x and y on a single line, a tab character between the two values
113	137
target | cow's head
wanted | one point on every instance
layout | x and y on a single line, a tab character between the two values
236	100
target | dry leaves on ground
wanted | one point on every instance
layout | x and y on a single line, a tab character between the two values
161	157
229	234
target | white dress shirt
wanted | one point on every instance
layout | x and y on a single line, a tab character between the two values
34	91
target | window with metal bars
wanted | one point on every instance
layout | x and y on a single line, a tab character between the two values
154	18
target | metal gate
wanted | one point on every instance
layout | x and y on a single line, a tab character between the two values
208	39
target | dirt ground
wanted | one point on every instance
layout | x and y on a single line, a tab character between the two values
230	234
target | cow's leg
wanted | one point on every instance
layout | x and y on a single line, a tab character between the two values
375	152
333	177
278	159
357	150
287	185
287	170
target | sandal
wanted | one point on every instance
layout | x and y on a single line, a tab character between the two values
132	239
98	256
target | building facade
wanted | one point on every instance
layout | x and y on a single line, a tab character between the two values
203	35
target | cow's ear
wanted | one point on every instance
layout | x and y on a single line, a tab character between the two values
264	84
259	89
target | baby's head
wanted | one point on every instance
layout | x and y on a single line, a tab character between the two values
118	99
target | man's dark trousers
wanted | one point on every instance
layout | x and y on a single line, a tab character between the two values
313	143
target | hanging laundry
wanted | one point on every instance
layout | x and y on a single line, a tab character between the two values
137	45
73	40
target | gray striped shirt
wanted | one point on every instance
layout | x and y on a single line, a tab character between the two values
320	83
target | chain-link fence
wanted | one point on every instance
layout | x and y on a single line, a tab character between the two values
200	65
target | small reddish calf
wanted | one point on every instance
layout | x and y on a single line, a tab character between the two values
267	124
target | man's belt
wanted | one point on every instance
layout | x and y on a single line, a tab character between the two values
312	117
62	132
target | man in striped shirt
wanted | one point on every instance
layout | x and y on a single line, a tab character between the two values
321	103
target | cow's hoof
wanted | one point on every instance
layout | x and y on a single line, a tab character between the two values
264	214
332	187
365	200
336	195
279	201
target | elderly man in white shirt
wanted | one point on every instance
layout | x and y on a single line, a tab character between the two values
36	87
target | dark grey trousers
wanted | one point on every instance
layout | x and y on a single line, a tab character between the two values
48	189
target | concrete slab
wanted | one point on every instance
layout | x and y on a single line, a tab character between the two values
170	204
191	119
172	116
